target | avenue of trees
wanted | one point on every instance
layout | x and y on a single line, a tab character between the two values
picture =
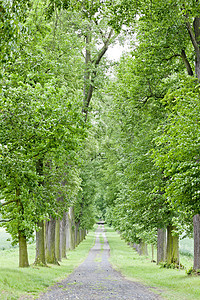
77	142
50	53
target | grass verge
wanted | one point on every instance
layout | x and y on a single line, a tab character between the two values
21	283
169	283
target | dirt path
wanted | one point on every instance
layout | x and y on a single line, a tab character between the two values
96	279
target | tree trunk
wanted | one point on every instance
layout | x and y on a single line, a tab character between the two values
161	245
23	253
143	248
63	236
77	234
196	26
82	234
194	34
72	228
172	246
196	225
152	253
137	247
50	242
68	232
40	245
58	240
40	235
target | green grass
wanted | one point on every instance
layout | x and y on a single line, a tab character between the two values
170	283
16	282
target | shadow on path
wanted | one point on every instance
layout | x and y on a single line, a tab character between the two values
96	279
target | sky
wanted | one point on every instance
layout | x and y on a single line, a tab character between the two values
114	52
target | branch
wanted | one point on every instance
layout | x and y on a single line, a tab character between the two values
173	56
3	221
187	63
193	39
82	53
6	203
96	62
101	32
103	49
196	26
39	153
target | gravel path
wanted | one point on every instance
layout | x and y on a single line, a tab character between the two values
96	279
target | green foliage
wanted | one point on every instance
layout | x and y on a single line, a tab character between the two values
34	128
148	85
41	126
177	151
136	161
12	17
134	208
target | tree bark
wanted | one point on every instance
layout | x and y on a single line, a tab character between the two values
196	226
143	248
137	247
40	235
23	253
82	234
68	234
77	234
152	253
187	63
195	39
63	235
72	228
50	242
161	245
172	246
40	245
196	26
58	240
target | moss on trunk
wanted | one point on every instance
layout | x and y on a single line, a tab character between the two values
23	253
172	246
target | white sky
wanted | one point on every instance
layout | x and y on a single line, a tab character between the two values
114	52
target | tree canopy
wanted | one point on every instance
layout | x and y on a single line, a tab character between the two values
123	145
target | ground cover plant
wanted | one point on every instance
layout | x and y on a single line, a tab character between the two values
17	282
169	283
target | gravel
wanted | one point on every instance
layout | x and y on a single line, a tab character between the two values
96	279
